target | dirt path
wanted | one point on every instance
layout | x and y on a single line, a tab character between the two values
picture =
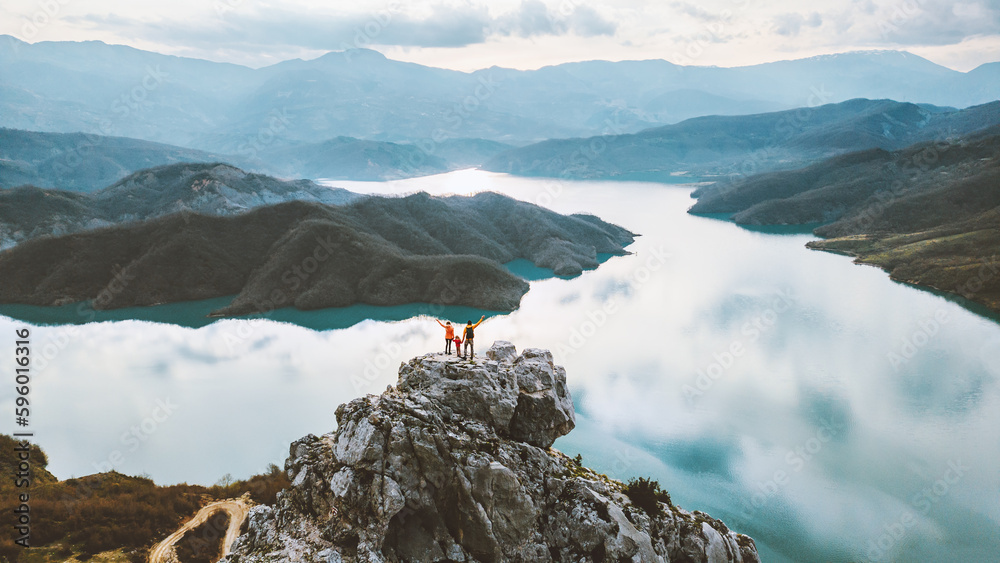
237	508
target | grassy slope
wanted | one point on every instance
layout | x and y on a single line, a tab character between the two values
962	258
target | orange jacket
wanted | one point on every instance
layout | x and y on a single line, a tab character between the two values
449	330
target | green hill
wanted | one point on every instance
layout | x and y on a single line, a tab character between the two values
377	250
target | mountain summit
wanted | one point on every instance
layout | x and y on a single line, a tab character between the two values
455	464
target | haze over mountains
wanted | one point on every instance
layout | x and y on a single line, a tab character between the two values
358	115
88	162
84	163
223	108
714	146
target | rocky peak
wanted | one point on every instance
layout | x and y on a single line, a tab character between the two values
522	398
455	464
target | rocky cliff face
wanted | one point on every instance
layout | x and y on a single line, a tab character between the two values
454	464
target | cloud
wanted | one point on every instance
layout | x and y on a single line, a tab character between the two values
534	18
274	28
469	34
445	27
925	23
789	25
865	6
696	12
586	22
530	19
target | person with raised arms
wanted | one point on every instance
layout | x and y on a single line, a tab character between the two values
449	335
470	333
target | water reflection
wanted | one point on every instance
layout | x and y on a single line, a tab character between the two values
195	314
752	377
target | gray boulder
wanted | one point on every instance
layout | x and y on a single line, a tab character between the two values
455	464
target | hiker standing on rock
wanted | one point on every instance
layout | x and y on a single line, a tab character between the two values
469	334
449	335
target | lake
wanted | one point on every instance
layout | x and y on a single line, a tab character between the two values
814	404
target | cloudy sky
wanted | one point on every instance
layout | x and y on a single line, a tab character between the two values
471	34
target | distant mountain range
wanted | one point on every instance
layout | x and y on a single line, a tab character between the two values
214	189
929	214
87	162
113	90
376	250
718	147
79	162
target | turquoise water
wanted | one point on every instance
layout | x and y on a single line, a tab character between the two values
195	314
812	403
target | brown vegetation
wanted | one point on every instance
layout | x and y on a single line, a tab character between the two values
109	511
